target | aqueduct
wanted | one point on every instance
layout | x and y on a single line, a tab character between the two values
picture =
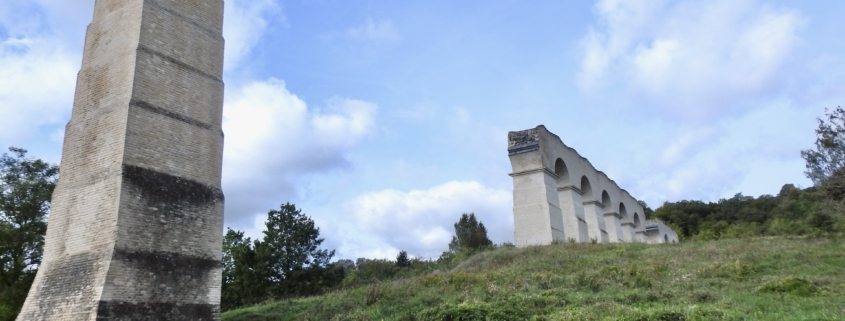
559	196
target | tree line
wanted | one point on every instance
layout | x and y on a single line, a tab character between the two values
793	211
815	210
287	261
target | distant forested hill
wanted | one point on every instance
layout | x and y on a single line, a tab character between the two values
794	211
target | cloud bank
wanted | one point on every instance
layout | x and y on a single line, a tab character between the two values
421	221
244	24
273	139
692	59
37	77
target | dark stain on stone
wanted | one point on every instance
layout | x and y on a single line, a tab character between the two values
155	311
163	263
164	188
524	141
165	277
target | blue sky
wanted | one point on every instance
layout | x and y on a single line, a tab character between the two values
386	120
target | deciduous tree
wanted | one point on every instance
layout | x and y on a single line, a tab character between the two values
291	249
829	155
26	186
286	262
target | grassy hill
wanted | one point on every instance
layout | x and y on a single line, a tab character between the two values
736	279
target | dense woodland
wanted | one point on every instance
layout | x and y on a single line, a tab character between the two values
793	211
287	262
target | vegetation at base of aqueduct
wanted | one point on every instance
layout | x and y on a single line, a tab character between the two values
765	278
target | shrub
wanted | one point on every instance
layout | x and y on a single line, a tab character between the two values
792	285
373	293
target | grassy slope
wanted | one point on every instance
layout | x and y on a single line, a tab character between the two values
759	279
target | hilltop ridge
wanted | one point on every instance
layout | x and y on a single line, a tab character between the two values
769	278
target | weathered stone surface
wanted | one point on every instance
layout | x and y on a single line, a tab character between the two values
559	196
136	223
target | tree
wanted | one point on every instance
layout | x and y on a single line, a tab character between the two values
286	262
26	186
648	213
402	259
829	155
470	234
290	247
243	275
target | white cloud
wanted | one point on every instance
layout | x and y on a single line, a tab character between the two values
690	58
39	62
370	38
421	221
67	19
381	32
37	73
36	87
244	24
273	139
683	145
720	160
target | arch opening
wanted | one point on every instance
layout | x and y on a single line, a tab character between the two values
562	173
605	201
636	219
587	189
622	211
665	238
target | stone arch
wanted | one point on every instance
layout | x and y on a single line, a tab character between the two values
562	173
636	219
605	201
586	189
622	211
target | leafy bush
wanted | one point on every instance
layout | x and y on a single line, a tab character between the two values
792	285
737	270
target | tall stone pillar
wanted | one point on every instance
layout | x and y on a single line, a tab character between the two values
595	221
136	223
640	236
571	203
536	209
613	226
628	232
537	216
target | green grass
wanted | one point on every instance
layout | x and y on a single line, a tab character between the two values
740	279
